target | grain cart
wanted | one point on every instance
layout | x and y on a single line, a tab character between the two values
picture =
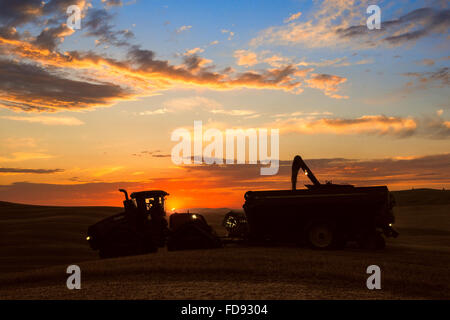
324	216
143	228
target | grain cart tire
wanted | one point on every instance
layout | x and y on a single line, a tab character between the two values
322	235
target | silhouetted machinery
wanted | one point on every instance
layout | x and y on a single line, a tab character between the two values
323	216
142	228
235	223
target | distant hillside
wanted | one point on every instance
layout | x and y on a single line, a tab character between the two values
422	197
36	236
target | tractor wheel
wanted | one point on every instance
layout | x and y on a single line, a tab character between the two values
322	235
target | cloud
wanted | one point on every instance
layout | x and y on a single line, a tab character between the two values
189	103
427	62
410	27
112	3
439	78
304	114
75	80
19	12
34	171
47	120
195	74
337	62
106	170
140	74
28	87
327	83
194	51
16	142
197	102
277	61
230	33
426	20
245	58
161	155
435	127
368	124
195	63
317	30
50	38
183	28
154	112
432	62
293	17
234	112
23	156
340	23
52	14
98	24
153	154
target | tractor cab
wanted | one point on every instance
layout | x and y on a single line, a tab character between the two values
146	202
150	202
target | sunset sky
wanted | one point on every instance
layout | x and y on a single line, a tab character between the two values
84	112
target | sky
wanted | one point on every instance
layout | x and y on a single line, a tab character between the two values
86	111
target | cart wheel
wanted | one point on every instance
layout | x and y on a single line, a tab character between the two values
321	235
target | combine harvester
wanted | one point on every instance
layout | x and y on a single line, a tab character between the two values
323	216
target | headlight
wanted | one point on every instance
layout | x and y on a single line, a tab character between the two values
88	238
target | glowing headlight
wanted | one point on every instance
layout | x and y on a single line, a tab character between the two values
390	224
194	216
88	238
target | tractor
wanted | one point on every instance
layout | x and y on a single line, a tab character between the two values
143	228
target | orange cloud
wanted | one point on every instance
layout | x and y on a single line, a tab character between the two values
23	156
293	17
369	124
245	58
194	51
139	75
52	121
328	84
